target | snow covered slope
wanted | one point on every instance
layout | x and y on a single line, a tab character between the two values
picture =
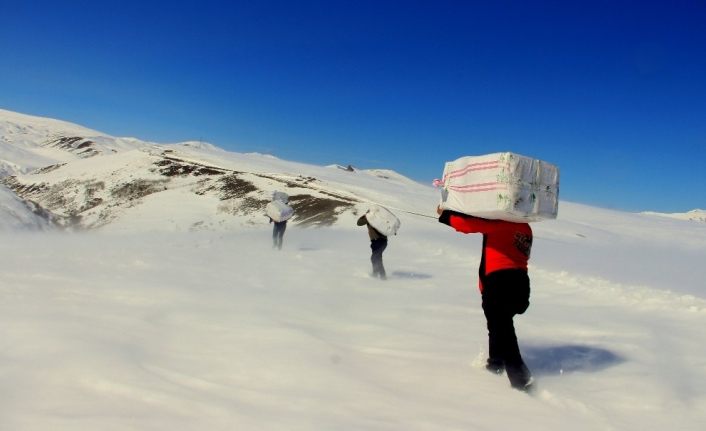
87	180
18	215
28	142
218	331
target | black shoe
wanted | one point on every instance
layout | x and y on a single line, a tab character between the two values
528	387
495	366
520	377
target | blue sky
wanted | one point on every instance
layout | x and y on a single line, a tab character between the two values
612	92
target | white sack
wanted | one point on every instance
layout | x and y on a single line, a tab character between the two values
383	220
280	196
279	211
504	186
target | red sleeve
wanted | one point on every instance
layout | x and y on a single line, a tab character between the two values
467	224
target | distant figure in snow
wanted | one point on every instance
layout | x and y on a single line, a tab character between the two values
378	243
279	211
504	286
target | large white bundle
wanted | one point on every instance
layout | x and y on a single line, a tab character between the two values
383	220
279	211
280	196
504	186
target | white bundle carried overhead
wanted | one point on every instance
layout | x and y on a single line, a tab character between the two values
382	220
505	186
280	196
279	211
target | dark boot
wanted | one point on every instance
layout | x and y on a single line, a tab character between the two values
520	376
495	366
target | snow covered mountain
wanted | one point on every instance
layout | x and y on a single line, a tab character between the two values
28	142
76	177
694	215
85	179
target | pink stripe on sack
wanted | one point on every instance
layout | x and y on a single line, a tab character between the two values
472	167
478	185
482	166
484	187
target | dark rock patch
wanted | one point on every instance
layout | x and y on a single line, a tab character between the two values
171	167
315	211
231	186
138	189
253	205
25	191
73	144
49	168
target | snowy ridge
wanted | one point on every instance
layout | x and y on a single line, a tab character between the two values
695	215
30	128
29	142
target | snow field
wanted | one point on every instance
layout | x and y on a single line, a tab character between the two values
220	331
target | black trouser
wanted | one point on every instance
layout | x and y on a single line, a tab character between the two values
378	246
278	234
505	294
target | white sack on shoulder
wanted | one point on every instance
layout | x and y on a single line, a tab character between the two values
280	196
383	220
279	211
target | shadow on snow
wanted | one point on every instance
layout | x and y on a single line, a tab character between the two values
567	359
410	275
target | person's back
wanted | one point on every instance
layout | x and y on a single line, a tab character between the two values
506	245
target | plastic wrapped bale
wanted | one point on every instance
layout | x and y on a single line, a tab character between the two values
505	186
279	211
383	220
280	196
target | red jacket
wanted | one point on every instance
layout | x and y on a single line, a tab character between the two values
506	245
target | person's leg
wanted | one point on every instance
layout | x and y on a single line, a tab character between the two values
378	246
517	303
375	257
500	304
274	235
381	267
280	236
497	329
517	372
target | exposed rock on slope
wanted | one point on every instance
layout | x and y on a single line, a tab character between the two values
83	195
